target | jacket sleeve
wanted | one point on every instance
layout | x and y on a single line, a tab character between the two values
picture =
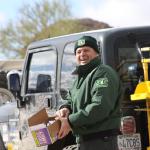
104	93
67	104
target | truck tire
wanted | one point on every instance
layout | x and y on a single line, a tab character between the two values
6	96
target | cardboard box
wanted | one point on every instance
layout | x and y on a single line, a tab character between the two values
44	128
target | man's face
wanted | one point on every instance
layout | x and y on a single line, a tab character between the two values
85	54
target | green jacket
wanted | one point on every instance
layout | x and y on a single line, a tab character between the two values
94	99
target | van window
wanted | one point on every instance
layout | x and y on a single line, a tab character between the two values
128	65
68	67
42	73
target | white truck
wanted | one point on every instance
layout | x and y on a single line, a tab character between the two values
9	113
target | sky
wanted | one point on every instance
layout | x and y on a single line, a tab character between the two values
117	13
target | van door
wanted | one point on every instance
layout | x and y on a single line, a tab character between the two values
38	88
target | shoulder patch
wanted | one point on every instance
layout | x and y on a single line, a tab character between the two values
101	82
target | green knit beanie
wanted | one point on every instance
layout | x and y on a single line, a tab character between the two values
86	41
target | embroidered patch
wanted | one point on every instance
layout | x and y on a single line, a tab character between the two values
102	82
81	42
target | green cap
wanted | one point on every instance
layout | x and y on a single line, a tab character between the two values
86	41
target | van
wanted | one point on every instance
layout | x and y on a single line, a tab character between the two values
48	74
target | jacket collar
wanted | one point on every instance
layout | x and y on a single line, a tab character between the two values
83	70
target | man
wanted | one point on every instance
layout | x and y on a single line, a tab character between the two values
92	111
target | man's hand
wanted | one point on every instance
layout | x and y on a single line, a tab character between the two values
64	112
65	128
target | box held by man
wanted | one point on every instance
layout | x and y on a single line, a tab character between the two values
44	128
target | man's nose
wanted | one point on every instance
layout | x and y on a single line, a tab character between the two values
82	52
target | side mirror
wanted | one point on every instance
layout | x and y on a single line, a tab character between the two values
14	85
44	83
14	82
